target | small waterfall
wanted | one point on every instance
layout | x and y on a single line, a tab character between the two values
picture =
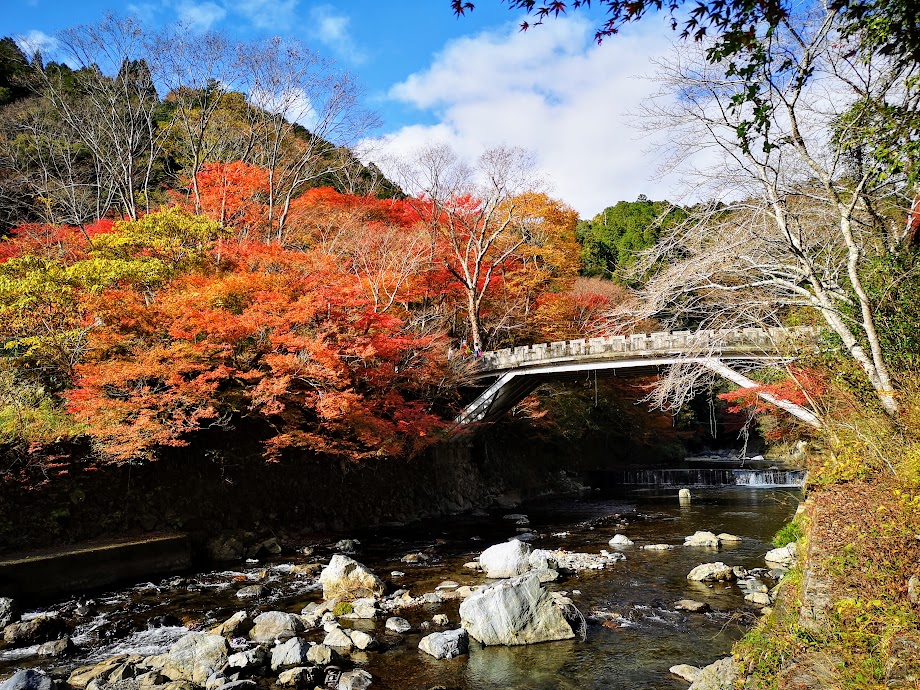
701	477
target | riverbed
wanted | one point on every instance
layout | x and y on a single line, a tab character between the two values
634	635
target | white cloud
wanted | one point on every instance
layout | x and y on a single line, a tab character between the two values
277	15
37	40
332	29
200	16
550	90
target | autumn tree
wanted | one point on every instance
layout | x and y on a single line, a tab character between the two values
473	214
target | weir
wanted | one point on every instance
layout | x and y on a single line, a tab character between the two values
772	478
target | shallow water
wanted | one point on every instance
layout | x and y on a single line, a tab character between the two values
636	594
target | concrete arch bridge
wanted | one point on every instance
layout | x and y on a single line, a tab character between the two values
511	374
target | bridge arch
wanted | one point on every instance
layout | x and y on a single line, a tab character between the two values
518	371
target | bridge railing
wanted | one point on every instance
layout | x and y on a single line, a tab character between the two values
767	340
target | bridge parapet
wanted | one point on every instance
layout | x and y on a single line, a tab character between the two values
762	340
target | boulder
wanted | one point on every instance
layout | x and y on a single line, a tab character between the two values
726	538
249	660
446	645
238	625
783	556
658	547
687	672
252	592
692	606
758	598
398	625
358	679
289	654
31	679
719	675
275	625
321	655
84	675
345	578
712	572
506	560
514	612
193	657
226	548
302	676
361	639
339	639
9	612
621	540
57	648
42	628
700	538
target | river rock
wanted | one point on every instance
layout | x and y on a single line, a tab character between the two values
362	640
30	679
689	673
225	548
758	598
506	560
621	540
302	676
514	612
358	679
193	657
726	538
472	565
252	592
719	675
249	660
783	556
418	557
440	619
289	654
658	547
365	608
446	645
712	572
691	605
345	578
9	612
398	625
241	684
238	625
39	629
322	655
339	639
84	675
700	538
275	625
576	561
57	648
347	545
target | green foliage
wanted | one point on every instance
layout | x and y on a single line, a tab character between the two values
343	608
14	68
613	238
893	285
29	417
173	235
791	531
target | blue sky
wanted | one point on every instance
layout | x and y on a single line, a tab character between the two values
472	82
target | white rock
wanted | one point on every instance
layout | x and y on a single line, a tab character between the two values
621	540
725	537
688	673
397	624
289	654
783	556
658	547
361	639
514	612
700	538
506	560
719	675
345	578
445	645
194	657
275	625
758	598
339	639
248	660
358	679
712	572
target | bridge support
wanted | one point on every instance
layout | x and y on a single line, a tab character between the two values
740	379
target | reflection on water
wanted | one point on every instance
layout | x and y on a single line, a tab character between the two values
644	635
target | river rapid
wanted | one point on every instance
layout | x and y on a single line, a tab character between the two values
634	634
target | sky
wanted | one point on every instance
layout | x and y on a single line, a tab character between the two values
471	82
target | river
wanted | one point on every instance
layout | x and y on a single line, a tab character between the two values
642	637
